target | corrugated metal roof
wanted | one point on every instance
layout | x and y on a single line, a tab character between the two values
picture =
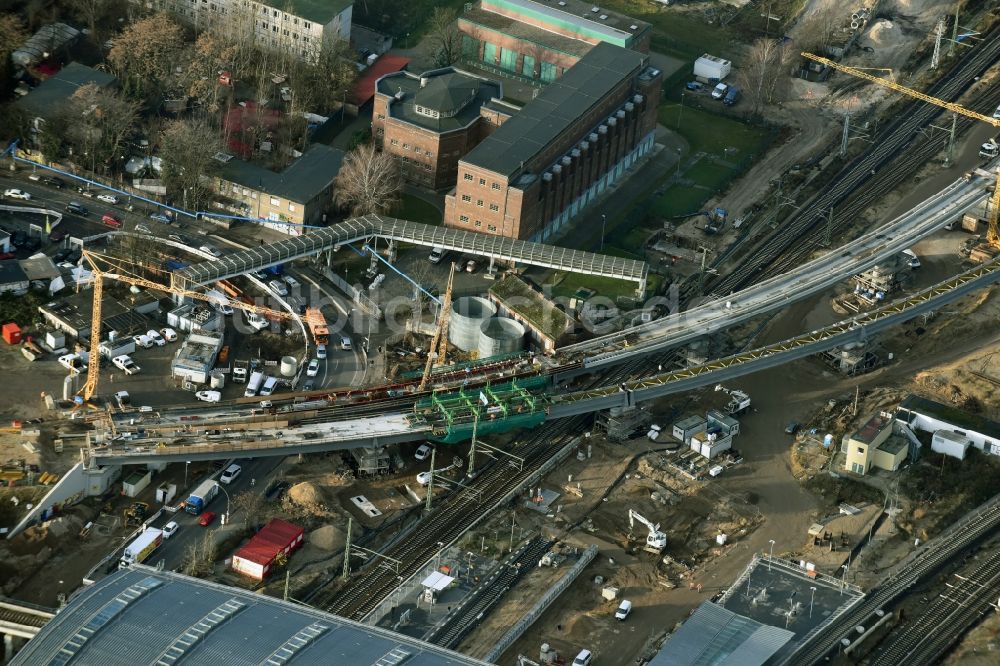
274	538
719	637
149	625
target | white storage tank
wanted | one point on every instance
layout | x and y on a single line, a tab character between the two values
217	380
500	335
289	366
467	316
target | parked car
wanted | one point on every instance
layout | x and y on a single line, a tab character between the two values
208	396
423	452
52	181
111	220
206	518
169	334
694	85
159	217
720	91
423	478
155	337
436	255
321	351
623	610
72	362
125	362
733	95
230	474
345	343
313	369
14	193
278	287
170	529
61	256
57	235
309	385
471	265
210	250
142	341
177	238
107	198
260	275
143	229
36	177
996	114
77	209
290	281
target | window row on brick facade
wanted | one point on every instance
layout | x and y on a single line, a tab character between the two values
482	181
464	219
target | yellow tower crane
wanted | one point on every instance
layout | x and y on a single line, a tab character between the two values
114	268
439	345
993	215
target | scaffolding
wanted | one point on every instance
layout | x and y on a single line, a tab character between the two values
457	416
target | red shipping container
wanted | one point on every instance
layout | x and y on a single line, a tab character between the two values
257	557
12	333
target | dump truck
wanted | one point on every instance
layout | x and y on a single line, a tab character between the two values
139	550
317	324
202	495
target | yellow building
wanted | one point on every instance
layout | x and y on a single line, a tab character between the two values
874	445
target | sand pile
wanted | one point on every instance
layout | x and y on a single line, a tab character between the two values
883	34
306	494
327	537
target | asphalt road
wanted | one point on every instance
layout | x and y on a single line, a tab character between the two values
173	550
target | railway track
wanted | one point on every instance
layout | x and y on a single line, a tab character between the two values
944	548
867	177
18	617
468	617
926	639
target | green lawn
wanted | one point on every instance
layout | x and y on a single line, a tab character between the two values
570	283
680	200
676	33
416	209
712	133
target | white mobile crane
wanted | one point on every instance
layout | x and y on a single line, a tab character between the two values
656	540
739	401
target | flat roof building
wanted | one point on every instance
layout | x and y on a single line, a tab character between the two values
298	27
875	445
929	416
541	39
429	121
144	616
52	94
195	359
544	165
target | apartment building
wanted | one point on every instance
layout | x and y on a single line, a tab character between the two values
541	39
429	121
300	27
289	201
543	166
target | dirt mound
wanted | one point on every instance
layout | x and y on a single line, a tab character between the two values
306	494
327	537
883	35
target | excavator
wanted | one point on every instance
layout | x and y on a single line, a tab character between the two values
656	540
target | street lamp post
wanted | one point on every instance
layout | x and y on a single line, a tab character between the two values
811	601
604	220
678	174
771	556
680	114
186	463
225	518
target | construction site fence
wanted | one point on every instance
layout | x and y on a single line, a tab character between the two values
360	298
536	611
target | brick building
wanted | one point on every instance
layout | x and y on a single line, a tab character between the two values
287	200
541	39
562	150
429	121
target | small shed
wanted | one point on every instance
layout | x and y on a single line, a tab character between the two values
12	333
268	548
950	443
434	584
686	427
712	68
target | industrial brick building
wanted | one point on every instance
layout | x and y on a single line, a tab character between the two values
429	121
542	167
541	39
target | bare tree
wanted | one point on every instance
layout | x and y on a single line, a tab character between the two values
368	181
145	53
199	559
211	55
12	35
319	86
763	76
250	505
817	31
188	147
99	120
91	11
444	39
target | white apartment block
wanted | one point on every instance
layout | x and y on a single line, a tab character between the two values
300	27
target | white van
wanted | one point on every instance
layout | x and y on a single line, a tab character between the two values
623	610
436	255
269	385
253	385
911	259
584	658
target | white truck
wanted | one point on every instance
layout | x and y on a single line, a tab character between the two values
253	384
139	550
